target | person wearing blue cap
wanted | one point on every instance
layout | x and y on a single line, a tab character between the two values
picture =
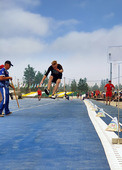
4	88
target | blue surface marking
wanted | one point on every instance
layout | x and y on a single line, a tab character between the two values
50	135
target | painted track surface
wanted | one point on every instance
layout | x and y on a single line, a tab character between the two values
50	135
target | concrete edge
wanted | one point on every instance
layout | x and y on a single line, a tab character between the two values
113	152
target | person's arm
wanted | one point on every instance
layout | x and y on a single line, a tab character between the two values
44	77
42	80
2	78
113	88
60	70
105	88
12	86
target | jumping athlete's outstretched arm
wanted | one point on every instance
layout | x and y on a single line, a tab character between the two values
46	74
42	80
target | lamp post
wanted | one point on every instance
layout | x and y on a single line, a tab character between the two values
114	54
110	67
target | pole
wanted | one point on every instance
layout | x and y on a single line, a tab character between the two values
110	67
15	94
111	71
118	95
64	84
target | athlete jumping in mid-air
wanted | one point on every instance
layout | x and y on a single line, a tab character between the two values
56	76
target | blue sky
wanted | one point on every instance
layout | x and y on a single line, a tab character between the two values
91	14
76	33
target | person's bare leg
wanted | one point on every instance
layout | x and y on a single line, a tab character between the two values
109	100
49	82
106	100
56	86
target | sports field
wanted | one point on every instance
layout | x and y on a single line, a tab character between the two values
50	135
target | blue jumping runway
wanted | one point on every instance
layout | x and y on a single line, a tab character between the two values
50	135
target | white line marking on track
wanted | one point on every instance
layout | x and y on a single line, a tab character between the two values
33	107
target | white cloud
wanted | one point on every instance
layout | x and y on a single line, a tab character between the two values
28	2
83	4
109	16
20	47
87	43
11	4
85	54
67	22
21	23
82	54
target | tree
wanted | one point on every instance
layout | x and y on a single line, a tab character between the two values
46	80
82	85
120	86
29	75
73	85
95	87
38	77
103	83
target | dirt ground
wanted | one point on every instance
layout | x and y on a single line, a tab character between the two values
114	104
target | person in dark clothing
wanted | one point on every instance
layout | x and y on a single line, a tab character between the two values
56	76
66	96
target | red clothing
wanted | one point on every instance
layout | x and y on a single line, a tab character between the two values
39	92
92	94
109	94
109	87
109	90
1	66
97	92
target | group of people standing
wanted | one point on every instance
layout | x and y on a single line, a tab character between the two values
55	77
107	93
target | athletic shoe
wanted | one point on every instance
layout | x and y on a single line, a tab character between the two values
9	113
46	91
1	115
53	97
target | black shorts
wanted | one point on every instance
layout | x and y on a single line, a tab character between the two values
55	78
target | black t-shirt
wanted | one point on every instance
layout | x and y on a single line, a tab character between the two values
54	72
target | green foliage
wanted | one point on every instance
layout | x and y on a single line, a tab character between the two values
82	85
32	78
73	85
95	87
38	77
103	83
29	75
120	86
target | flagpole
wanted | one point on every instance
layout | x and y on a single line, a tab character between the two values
118	96
64	84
